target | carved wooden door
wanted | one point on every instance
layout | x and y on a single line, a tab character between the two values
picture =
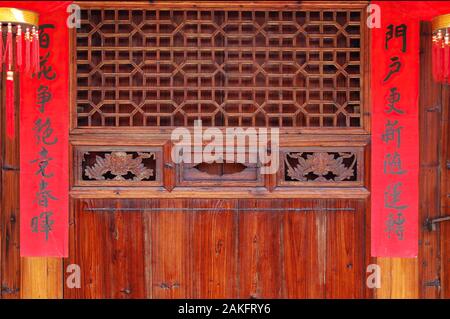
144	226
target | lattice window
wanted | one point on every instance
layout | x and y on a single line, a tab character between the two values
238	67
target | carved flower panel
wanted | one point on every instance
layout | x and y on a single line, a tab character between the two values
321	167
118	166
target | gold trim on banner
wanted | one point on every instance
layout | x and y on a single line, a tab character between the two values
13	15
440	22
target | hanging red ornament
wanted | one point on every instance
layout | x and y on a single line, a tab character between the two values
27	50
36	50
32	57
9	48
445	74
9	84
10	116
19	61
12	56
441	48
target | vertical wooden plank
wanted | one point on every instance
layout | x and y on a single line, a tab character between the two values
126	245
171	251
345	249
9	205
71	293
10	267
260	265
90	249
147	229
109	248
214	254
399	278
429	172
41	278
304	251
445	193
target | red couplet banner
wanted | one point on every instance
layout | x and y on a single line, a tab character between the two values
395	133
44	125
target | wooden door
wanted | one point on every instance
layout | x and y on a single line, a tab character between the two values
142	226
445	193
203	248
434	248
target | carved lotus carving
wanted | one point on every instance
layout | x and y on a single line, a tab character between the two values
327	167
120	165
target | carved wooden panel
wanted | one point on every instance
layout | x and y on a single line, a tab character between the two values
330	166
118	166
219	174
290	68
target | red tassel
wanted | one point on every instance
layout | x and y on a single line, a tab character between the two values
36	51
27	50
33	51
32	59
10	105
34	45
9	47
19	61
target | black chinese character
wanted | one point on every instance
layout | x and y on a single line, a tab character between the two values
393	164
394	67
395	225
44	69
396	31
43	97
392	195
393	99
392	132
43	195
44	37
42	224
44	131
43	161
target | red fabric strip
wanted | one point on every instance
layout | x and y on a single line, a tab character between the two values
10	125
44	126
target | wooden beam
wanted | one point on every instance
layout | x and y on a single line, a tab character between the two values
42	278
399	278
9	201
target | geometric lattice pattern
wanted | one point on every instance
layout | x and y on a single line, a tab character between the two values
249	67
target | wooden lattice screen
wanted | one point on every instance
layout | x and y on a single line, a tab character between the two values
289	68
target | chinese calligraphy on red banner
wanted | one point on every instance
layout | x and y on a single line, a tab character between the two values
44	122
395	145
